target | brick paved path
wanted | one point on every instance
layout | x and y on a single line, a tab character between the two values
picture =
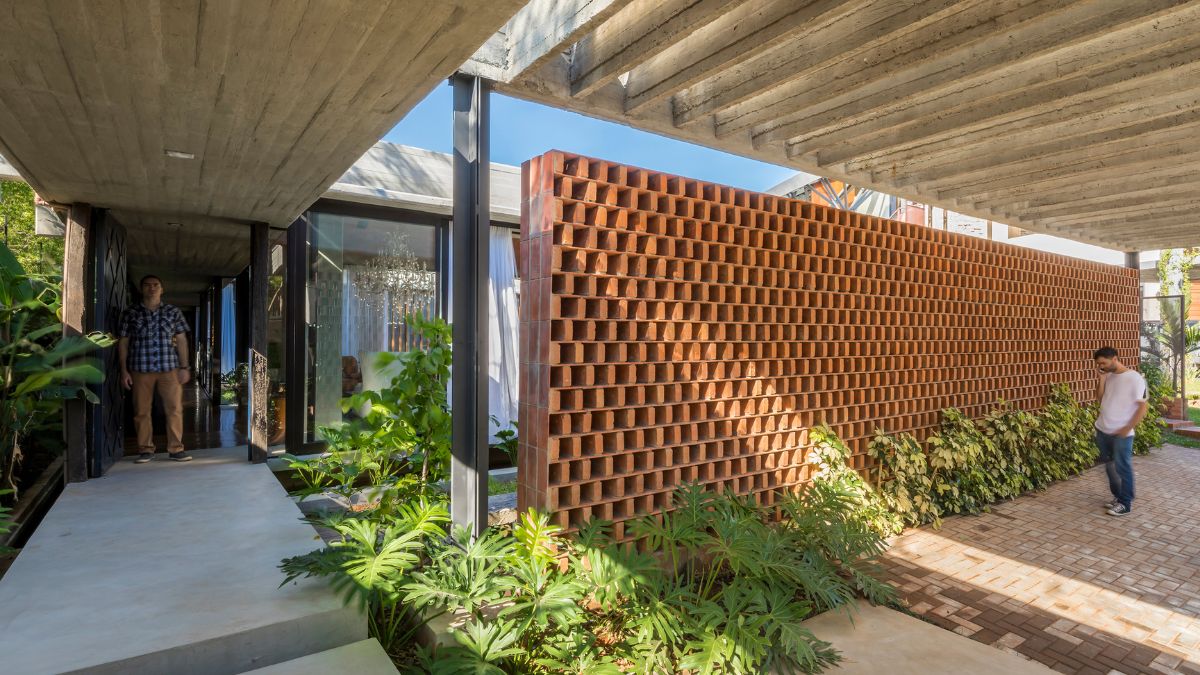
1052	577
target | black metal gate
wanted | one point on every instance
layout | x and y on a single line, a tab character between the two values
107	420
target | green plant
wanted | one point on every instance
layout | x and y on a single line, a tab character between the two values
407	425
872	506
1062	445
904	479
411	416
501	487
506	440
233	383
967	465
1149	432
37	255
6	524
718	584
371	562
32	356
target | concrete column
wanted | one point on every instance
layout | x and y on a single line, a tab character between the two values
76	295
469	302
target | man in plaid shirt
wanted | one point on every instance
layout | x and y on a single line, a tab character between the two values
153	350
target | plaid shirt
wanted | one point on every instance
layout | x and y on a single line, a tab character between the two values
152	337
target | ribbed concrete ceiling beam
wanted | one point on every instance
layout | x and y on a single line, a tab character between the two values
1113	142
1155	69
1078	124
977	40
635	34
851	36
742	33
1023	63
1112	59
1118	184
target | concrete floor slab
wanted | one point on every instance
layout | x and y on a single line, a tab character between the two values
362	658
168	567
880	640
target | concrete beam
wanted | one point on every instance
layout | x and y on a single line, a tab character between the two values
741	34
633	35
1138	138
1093	191
1086	189
1094	88
1031	172
1144	198
971	41
542	29
871	25
1049	77
1072	127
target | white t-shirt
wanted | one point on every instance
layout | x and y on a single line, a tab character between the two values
1122	394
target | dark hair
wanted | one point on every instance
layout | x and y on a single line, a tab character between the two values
149	276
1105	353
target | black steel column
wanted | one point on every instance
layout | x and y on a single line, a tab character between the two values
469	303
1133	260
218	348
76	296
256	418
295	329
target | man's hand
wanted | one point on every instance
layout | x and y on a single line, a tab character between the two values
126	379
184	375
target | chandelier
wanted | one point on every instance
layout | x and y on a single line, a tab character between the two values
396	278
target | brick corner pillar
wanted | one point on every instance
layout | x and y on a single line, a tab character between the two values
538	207
76	296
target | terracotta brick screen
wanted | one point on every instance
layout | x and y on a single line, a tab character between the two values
675	331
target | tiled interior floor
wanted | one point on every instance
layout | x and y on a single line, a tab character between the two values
1054	578
204	425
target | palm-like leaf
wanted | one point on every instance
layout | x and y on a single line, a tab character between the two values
481	650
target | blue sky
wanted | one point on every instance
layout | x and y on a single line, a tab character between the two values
521	130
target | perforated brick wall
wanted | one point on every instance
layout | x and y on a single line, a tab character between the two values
675	331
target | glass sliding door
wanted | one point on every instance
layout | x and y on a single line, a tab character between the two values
368	269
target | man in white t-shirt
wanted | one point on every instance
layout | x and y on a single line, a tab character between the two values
1123	403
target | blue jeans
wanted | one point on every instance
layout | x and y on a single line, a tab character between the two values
1117	454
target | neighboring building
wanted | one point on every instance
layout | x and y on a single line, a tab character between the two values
841	195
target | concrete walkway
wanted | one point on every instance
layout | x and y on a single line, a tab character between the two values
168	567
1050	576
880	640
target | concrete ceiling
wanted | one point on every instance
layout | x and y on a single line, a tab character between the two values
275	100
1077	118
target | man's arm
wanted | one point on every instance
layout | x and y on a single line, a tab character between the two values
1100	386
181	348
123	359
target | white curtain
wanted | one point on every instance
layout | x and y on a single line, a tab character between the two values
229	356
502	328
364	325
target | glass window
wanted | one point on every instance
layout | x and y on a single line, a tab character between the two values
365	275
